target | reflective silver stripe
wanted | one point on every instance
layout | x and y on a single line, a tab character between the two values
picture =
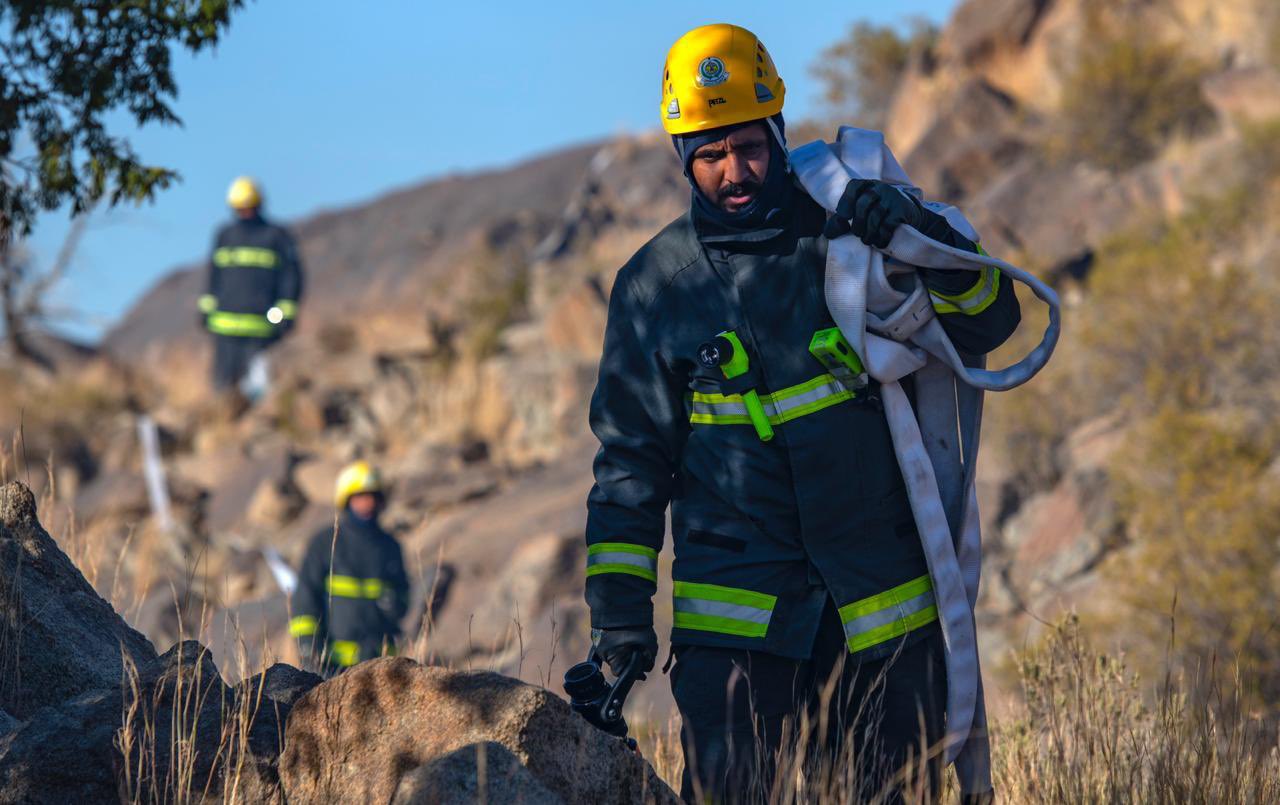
739	612
973	301
620	558
728	408
888	615
773	408
780	407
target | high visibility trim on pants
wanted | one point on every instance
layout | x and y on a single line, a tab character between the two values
344	653
303	625
973	301
352	587
249	325
726	610
782	406
889	614
245	257
622	557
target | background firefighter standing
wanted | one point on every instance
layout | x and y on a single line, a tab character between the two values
255	284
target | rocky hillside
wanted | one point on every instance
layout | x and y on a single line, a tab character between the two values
451	330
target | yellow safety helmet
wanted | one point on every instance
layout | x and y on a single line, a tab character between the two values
244	194
718	75
356	479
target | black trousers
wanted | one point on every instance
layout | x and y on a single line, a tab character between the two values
231	357
740	708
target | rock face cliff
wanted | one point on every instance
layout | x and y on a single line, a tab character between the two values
451	332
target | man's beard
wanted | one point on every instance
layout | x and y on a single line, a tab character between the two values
749	187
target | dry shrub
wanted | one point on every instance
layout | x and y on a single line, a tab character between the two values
860	73
1091	732
1031	423
1172	323
1202	503
1128	95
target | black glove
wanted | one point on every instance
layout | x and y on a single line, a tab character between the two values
873	210
618	646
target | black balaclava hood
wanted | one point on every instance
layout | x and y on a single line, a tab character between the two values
766	208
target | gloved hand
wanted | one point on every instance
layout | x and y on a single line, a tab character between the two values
873	210
617	646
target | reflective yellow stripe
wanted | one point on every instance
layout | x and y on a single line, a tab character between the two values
782	406
352	587
344	653
889	614
726	610
249	325
245	257
622	557
973	301
303	625
288	307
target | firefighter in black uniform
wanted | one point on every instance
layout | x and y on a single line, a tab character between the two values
797	558
352	588
254	285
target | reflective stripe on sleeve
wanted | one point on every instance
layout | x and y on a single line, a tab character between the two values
889	614
725	610
622	557
245	257
288	307
303	625
973	301
782	406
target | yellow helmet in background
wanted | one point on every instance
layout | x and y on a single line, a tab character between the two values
718	75
356	479
244	194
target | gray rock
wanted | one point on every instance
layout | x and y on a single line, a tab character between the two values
282	683
63	754
58	638
480	772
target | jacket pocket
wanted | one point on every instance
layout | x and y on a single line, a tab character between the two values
713	539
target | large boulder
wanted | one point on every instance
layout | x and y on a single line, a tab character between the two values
63	753
384	726
480	772
58	638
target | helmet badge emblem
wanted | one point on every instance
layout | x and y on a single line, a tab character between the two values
712	72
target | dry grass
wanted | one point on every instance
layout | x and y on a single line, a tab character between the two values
165	752
1086	729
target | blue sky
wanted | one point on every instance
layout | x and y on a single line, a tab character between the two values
331	103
